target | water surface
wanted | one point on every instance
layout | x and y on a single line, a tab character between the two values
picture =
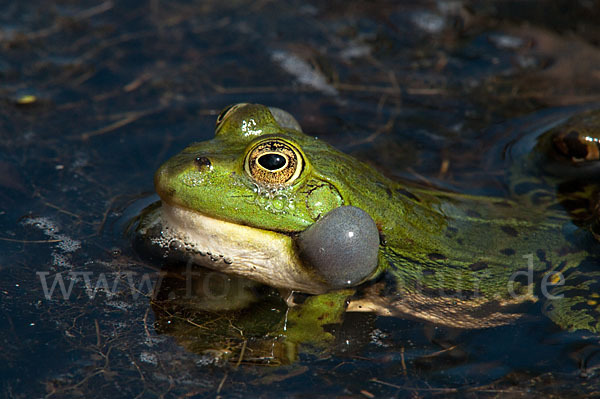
96	95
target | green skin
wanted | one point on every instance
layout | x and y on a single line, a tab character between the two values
447	257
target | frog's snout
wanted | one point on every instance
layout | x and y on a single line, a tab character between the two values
164	179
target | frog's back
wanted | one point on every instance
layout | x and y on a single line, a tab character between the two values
470	261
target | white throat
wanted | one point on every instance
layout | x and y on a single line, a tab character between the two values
261	255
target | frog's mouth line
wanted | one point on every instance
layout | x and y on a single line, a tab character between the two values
261	255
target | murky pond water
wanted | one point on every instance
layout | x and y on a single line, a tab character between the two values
97	94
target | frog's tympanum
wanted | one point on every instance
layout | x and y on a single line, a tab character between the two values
266	202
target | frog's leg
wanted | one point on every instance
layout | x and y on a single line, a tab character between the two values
228	318
342	248
311	324
573	301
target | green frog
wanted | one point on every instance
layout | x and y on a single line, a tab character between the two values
266	202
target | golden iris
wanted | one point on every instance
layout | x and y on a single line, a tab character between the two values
274	162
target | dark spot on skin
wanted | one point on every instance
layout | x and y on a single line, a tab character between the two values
580	306
511	231
451	231
575	281
436	256
507	251
390	286
478	266
521	277
407	194
202	162
567	250
473	214
428	272
541	254
562	264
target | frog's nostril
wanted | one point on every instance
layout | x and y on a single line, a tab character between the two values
203	163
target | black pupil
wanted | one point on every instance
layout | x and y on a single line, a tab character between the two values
272	161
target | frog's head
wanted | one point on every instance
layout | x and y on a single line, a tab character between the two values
249	195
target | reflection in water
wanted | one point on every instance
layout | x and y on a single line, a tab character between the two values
220	316
228	318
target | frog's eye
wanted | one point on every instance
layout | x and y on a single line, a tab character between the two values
274	162
577	147
228	111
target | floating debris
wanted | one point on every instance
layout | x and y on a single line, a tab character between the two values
303	72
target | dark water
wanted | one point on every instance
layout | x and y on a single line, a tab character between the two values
96	95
